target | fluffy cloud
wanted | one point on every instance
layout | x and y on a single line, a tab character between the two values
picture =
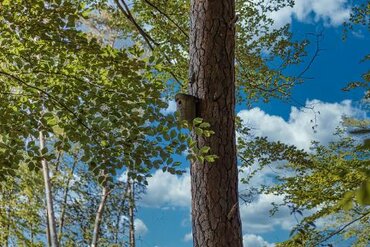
248	240
140	228
256	215
297	130
188	237
255	241
331	12
171	108
166	190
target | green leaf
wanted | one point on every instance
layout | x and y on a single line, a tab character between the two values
363	193
205	149
198	131
210	158
197	121
204	125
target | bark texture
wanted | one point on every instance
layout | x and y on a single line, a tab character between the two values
215	208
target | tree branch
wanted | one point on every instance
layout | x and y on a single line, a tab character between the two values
148	39
64	106
165	15
343	228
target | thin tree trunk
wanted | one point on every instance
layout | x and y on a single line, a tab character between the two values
49	199
130	193
32	234
99	216
47	230
215	207
118	219
7	231
65	197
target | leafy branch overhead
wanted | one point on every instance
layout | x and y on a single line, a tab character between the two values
93	94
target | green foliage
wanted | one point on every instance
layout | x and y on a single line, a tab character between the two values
57	77
63	72
77	194
332	184
21	217
261	151
201	154
359	21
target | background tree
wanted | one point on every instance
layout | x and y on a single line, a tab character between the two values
320	185
22	211
328	187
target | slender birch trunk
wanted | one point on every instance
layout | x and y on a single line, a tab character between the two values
48	194
65	197
7	231
47	229
118	219
131	208
99	216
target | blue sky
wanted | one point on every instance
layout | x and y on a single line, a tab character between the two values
163	217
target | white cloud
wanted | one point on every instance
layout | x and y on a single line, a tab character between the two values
140	228
170	109
167	190
188	237
251	240
256	215
331	12
255	241
297	130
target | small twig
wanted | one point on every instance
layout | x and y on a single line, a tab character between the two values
248	161
313	58
232	211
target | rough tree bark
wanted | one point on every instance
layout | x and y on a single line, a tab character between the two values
215	208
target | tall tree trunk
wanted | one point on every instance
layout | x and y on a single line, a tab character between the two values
49	198
215	207
99	217
131	208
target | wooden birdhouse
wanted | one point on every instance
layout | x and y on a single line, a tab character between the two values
186	106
